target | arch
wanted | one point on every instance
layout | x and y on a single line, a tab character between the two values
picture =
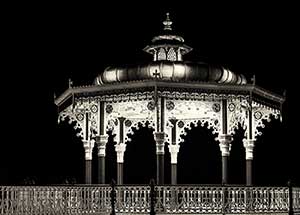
199	158
140	156
237	157
212	124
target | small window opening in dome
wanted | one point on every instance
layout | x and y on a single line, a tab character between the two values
171	55
161	54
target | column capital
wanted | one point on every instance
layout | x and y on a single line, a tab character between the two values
120	149
101	144
225	143
159	138
88	146
174	149
249	146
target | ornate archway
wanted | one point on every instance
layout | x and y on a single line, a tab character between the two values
199	157
139	158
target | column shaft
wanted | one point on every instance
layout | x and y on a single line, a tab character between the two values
160	168
119	173
173	174
88	171
101	170
225	169
249	172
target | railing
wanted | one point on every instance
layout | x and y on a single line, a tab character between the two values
296	200
130	199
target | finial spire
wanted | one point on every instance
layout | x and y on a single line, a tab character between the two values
167	23
70	83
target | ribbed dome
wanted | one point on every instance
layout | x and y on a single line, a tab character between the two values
172	71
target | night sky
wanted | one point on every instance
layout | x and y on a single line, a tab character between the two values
52	43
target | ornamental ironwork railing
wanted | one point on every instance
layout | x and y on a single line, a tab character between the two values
138	199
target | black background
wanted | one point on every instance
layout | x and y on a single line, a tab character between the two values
47	44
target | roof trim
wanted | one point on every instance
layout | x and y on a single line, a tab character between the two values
247	88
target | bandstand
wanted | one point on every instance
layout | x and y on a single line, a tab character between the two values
169	94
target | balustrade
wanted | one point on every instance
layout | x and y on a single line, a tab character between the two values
130	199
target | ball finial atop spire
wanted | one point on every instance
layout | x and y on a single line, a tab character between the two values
167	23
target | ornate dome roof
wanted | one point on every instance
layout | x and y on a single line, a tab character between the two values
173	71
167	65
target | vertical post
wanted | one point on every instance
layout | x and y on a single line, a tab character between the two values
152	197
88	148
225	143
249	146
120	149
160	151
174	149
101	145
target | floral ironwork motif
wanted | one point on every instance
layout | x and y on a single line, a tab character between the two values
180	124
231	107
94	108
79	117
109	108
151	105
258	115
170	105
216	107
128	123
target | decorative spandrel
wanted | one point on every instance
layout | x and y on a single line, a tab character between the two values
206	109
72	117
237	108
135	113
260	114
85	112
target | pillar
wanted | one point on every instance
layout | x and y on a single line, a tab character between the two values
174	149
225	140
120	150
101	145
249	146
225	146
159	138
88	149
